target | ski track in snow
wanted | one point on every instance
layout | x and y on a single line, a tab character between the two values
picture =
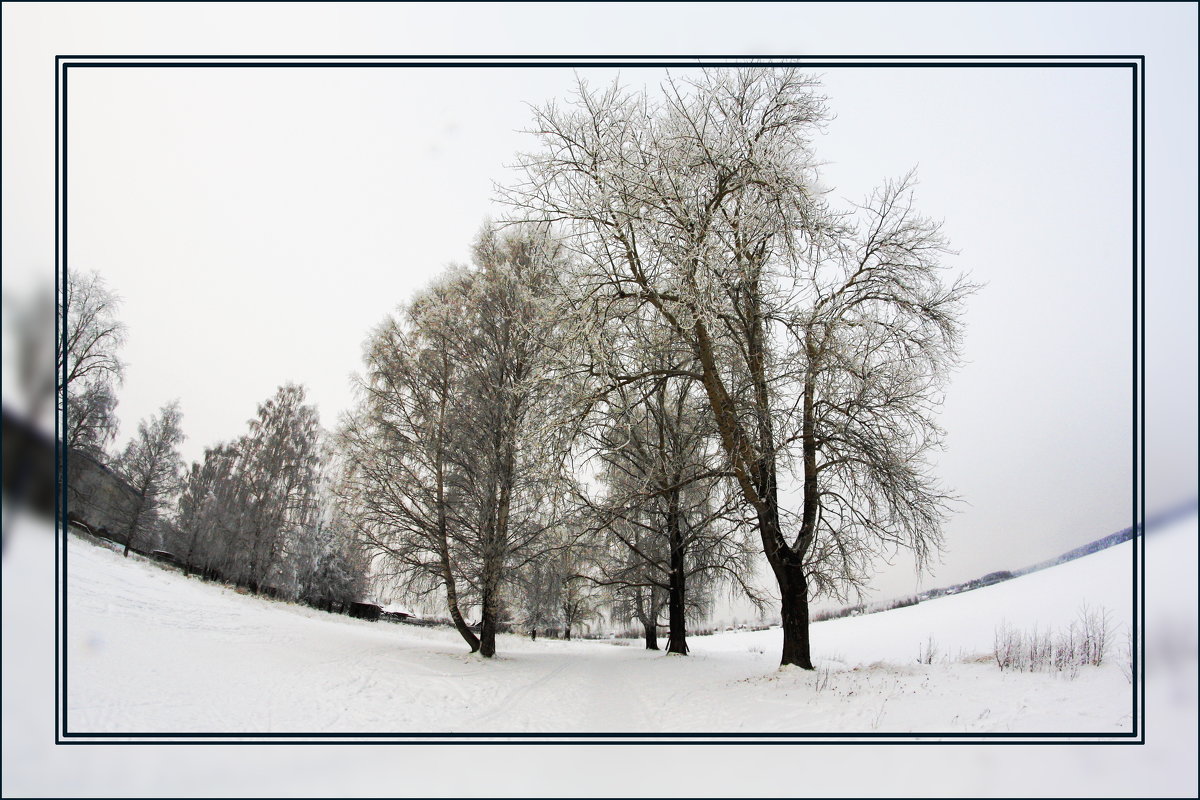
150	650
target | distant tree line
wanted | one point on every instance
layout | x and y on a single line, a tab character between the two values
260	512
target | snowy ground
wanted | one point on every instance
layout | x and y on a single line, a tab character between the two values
149	650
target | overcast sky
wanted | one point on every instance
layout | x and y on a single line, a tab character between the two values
258	222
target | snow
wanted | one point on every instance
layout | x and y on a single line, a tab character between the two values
151	650
396	608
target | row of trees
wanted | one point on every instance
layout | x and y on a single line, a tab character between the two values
262	511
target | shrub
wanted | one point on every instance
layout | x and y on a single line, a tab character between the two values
928	651
1084	642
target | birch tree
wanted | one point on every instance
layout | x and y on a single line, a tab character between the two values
152	466
404	477
206	512
454	453
512	470
277	471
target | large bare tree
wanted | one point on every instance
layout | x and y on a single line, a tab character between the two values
404	477
819	339
456	461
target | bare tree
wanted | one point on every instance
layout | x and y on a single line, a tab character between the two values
329	562
665	502
511	470
557	585
277	479
639	601
206	512
86	363
703	209
452	449
151	465
404	480
537	591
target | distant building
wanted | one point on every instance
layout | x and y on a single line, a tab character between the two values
98	498
367	611
396	613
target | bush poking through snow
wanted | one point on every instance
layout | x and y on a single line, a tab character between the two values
1095	625
928	651
1084	642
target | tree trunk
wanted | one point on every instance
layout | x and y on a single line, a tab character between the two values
460	624
793	589
677	592
130	533
487	625
794	607
677	624
651	635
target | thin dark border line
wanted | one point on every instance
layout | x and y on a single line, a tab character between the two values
234	741
1134	240
654	59
573	65
1138	66
1140	386
451	735
62	568
60	504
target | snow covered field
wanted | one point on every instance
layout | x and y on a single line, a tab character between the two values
152	651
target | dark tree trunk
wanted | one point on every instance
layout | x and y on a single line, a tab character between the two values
651	635
460	624
487	625
568	633
463	629
794	608
676	626
793	591
677	593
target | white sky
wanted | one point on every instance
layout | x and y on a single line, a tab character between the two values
258	224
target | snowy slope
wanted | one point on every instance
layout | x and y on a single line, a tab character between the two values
150	650
727	682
